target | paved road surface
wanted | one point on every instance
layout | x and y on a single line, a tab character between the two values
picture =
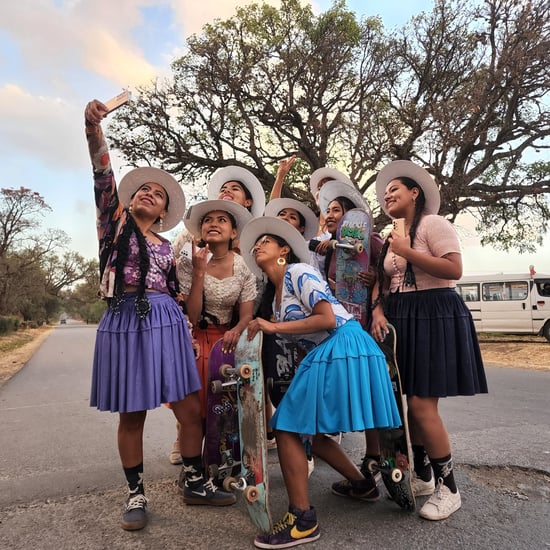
61	484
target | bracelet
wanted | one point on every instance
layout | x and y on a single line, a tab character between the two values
375	303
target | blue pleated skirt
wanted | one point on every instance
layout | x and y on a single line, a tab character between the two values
341	385
140	364
437	349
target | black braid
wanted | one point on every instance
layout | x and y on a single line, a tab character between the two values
122	247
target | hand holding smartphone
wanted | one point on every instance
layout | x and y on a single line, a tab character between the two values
399	227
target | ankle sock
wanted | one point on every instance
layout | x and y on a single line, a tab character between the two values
443	469
422	465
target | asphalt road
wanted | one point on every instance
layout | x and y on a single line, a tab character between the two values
61	484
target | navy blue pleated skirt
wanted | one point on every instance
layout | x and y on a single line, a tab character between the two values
140	364
437	348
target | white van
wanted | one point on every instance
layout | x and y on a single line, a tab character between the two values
513	303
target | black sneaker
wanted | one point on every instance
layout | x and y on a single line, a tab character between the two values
134	516
200	491
364	489
292	530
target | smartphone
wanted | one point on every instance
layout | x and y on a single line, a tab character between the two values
118	101
399	226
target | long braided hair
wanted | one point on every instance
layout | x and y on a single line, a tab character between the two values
409	279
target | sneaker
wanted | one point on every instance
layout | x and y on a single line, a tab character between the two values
175	456
134	516
292	530
422	488
271	443
364	489
310	466
441	504
205	492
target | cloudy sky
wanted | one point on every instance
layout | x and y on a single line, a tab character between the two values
55	55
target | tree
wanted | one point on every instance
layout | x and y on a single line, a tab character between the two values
462	90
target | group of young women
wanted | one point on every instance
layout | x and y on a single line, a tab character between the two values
145	353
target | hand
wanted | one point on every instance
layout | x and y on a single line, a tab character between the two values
95	112
399	245
368	278
199	257
332	284
257	325
284	166
322	247
230	339
379	327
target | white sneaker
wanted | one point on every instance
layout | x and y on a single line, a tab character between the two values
310	466
441	504
175	456
422	488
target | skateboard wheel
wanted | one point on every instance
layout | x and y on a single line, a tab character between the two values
216	386
245	372
269	383
371	466
396	475
358	248
229	483
213	471
225	370
251	494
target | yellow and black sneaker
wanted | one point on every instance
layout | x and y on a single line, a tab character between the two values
297	527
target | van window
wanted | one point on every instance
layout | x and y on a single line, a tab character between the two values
543	288
509	290
469	292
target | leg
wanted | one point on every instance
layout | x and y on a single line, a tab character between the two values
293	461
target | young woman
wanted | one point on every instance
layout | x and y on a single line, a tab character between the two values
342	384
296	213
437	349
143	352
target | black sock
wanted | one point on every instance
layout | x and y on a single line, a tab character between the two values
192	468
422	465
134	477
443	469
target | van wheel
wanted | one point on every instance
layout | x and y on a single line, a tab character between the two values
546	330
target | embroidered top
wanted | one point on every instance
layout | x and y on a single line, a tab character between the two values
304	287
220	295
111	220
435	236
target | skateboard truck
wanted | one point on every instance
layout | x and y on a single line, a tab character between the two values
230	373
356	248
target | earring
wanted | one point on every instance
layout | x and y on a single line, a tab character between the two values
130	208
161	224
281	261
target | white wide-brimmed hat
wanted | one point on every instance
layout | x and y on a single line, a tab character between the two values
274	206
134	179
406	168
247	178
333	189
196	213
323	173
257	227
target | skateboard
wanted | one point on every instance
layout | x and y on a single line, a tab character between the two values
395	444
253	479
280	359
352	257
221	454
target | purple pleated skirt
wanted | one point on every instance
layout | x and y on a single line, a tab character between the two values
140	364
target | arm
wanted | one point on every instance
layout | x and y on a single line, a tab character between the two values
194	299
322	318
231	337
284	168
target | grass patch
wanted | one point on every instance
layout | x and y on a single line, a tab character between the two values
14	341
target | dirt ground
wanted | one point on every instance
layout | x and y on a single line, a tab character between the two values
531	352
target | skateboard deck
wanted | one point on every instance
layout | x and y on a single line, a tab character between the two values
221	441
280	359
395	445
253	479
352	257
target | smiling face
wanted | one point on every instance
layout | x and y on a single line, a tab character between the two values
235	191
333	215
217	226
292	216
149	200
399	200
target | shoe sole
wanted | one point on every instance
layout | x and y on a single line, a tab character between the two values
440	517
288	544
204	502
134	526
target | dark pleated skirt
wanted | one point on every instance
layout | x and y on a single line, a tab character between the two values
437	348
140	364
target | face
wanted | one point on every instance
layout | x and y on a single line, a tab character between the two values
151	199
216	226
291	216
267	250
399	199
234	191
333	215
